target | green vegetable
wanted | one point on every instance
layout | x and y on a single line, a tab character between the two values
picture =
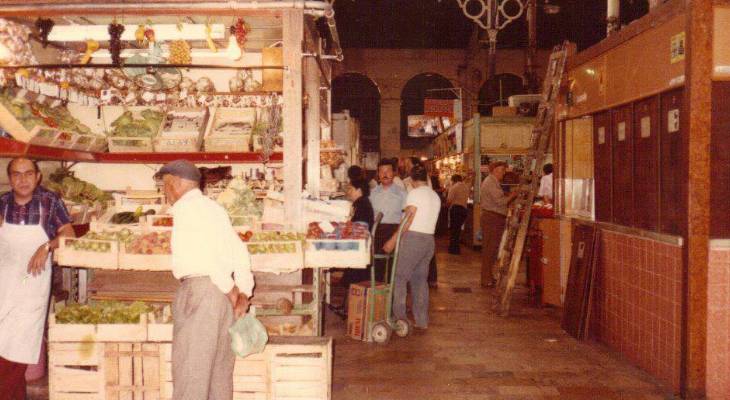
104	312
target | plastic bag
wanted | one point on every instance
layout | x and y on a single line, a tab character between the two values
248	336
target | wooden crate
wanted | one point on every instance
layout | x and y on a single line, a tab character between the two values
68	256
183	141
240	142
103	223
120	144
96	332
114	370
277	262
144	262
341	253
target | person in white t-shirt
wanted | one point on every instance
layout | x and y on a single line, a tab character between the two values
546	184
417	247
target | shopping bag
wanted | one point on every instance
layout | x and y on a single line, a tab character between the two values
248	336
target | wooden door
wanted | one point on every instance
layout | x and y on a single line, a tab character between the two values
602	165
646	163
673	161
622	158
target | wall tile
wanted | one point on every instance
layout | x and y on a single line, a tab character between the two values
639	302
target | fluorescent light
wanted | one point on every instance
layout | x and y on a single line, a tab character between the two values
163	32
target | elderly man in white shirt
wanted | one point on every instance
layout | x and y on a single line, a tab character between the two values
213	266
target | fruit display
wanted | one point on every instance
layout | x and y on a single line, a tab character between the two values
75	189
249	236
129	126
104	312
162	221
151	243
272	248
240	202
179	52
130	217
100	242
92	246
340	230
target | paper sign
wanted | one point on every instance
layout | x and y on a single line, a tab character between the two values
673	120
677	48
601	135
621	131
645	127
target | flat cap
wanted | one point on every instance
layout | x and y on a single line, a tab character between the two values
180	168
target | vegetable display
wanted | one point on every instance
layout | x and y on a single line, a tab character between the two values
240	202
130	217
31	114
75	189
146	127
94	241
342	230
272	248
104	312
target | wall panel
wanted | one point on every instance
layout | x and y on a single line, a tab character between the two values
622	134
646	163
602	165
673	150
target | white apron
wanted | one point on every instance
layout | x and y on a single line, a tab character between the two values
23	297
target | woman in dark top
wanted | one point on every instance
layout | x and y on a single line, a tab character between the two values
359	194
362	211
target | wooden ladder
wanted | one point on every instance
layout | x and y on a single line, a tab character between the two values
513	243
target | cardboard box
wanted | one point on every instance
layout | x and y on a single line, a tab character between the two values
358	308
504	111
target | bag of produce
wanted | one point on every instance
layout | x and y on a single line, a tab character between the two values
248	336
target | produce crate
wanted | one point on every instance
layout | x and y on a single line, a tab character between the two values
120	144
96	332
337	253
177	137
144	262
90	143
97	370
141	197
239	140
276	262
68	256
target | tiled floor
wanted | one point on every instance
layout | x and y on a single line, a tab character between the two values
469	353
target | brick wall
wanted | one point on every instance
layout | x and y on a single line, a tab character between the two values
637	308
718	322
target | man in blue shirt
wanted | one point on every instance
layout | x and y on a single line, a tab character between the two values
390	200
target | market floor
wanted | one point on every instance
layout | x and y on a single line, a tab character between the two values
468	352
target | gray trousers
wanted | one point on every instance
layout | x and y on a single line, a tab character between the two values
202	359
414	256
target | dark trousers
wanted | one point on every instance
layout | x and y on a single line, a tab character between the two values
457	216
12	380
492	228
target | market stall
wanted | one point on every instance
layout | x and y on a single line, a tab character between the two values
109	91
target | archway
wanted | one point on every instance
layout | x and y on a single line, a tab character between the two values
412	96
496	91
359	94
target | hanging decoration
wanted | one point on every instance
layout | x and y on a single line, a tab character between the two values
44	25
179	52
115	42
209	38
139	35
91	47
240	32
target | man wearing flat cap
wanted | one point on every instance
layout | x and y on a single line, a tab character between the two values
213	267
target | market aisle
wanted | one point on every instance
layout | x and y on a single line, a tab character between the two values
470	353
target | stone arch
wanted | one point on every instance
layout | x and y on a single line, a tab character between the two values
412	96
496	91
360	95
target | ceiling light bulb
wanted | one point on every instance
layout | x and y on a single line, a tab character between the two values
234	52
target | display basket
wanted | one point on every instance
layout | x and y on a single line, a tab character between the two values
68	256
175	136
337	253
231	139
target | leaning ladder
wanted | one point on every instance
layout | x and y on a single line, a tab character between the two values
513	243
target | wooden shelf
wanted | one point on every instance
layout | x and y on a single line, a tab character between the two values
14	148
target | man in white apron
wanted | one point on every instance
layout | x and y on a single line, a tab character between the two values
32	221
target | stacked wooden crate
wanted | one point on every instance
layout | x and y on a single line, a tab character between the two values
134	362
